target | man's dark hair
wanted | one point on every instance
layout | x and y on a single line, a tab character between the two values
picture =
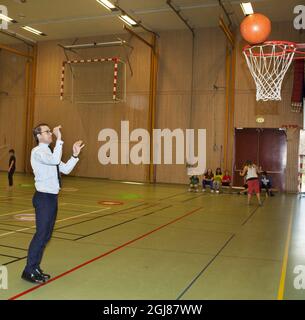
37	131
11	151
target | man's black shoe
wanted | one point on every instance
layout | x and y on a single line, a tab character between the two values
33	277
42	274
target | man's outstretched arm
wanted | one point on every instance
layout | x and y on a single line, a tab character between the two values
52	159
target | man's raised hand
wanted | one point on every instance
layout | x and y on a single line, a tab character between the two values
77	147
57	133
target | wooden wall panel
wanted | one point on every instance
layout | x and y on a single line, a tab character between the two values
12	108
174	92
293	136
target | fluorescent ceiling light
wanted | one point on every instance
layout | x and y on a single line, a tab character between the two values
107	4
247	8
6	18
33	30
125	18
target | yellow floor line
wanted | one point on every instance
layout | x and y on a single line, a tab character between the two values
281	290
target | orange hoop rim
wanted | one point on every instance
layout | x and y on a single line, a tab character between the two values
286	46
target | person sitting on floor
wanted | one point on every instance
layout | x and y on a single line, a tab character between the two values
208	180
194	183
266	183
217	180
226	179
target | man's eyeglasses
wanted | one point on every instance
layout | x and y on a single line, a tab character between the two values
47	131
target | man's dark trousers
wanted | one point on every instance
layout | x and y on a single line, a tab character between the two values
45	205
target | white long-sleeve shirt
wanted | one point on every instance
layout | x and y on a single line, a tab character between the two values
44	164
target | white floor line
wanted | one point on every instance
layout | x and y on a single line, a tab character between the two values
74	204
8	197
84	214
16	212
32	227
83	205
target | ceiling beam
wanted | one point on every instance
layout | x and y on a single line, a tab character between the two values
138	37
177	12
17	36
96	45
227	31
17	52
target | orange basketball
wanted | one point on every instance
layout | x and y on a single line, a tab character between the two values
255	28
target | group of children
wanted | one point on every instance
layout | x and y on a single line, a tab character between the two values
215	182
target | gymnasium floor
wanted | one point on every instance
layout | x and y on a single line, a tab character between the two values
160	243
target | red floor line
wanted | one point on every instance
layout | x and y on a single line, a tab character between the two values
101	256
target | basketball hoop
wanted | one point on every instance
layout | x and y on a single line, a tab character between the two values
268	63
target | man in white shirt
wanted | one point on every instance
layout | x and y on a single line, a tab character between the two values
47	166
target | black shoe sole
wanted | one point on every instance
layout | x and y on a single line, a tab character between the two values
45	276
29	279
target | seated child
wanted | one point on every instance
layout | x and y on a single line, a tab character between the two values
266	183
208	180
226	179
217	180
194	183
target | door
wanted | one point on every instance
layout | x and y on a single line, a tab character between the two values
266	148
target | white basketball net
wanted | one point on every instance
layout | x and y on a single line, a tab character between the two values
268	64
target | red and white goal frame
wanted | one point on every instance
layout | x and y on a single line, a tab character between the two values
115	61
